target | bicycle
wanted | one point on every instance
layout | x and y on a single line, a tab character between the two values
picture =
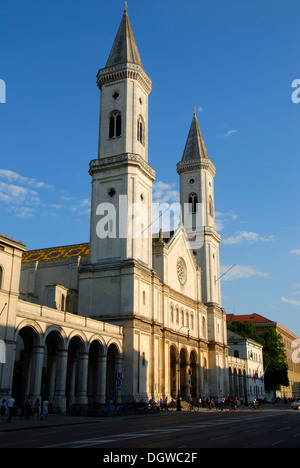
256	407
193	408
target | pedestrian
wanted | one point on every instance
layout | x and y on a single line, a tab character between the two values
3	410
28	407
166	404
36	408
11	408
45	409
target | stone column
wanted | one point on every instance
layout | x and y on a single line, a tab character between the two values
59	400
82	397
36	371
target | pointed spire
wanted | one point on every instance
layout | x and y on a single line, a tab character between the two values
195	146
124	48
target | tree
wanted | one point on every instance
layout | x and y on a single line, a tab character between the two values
275	361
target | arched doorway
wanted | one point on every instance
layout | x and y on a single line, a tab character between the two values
73	377
184	387
111	370
95	373
173	373
193	377
26	375
53	344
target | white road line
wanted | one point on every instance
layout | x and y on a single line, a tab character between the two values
279	442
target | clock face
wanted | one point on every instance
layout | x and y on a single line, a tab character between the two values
192	180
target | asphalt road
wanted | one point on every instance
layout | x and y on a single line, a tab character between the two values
180	431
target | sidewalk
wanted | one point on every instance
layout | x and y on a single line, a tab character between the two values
53	420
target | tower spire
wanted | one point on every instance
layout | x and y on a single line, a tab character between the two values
195	147
124	49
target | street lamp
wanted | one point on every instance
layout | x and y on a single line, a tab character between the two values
178	393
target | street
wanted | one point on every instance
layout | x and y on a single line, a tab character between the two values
271	428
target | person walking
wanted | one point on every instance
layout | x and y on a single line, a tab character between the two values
11	408
28	407
3	410
45	409
37	408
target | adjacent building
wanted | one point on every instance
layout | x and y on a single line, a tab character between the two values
291	342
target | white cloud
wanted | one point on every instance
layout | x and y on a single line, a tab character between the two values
295	252
290	301
14	177
10	193
250	237
229	133
81	206
222	218
241	271
165	193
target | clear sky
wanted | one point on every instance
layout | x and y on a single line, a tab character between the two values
234	60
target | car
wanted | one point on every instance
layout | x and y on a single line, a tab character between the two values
296	405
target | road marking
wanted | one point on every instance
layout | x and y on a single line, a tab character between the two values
167	430
279	442
221	437
287	428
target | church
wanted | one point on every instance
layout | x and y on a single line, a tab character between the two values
131	314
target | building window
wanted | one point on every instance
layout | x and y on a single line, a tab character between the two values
141	130
193	200
211	207
1	276
115	124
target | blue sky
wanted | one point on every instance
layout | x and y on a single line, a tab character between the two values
234	61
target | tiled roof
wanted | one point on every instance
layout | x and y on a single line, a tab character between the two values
254	318
56	253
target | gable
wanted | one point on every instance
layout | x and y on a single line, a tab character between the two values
174	261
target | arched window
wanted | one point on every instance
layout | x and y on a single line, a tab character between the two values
193	200
211	207
115	124
1	276
172	314
141	130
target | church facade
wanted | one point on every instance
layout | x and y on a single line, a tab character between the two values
129	315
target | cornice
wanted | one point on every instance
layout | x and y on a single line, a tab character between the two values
123	71
195	164
122	159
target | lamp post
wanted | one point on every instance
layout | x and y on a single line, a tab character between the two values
178	393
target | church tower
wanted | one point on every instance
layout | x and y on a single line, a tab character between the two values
115	283
197	173
121	177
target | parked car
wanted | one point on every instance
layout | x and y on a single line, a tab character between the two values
296	404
